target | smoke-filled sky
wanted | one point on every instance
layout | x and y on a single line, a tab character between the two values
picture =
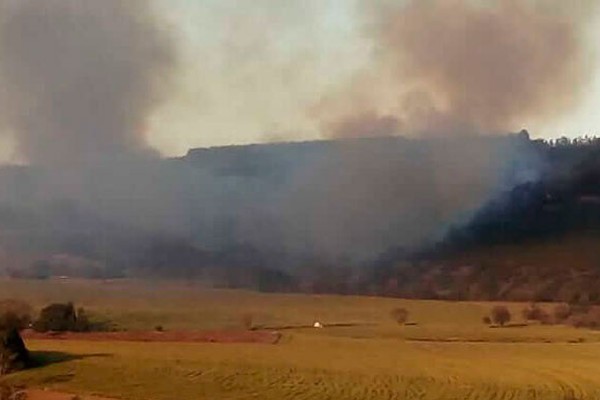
91	92
271	69
112	76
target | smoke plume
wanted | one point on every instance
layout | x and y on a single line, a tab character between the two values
448	66
80	77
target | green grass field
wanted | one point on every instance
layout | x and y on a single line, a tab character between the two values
374	359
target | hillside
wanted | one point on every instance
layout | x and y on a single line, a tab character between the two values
469	217
538	242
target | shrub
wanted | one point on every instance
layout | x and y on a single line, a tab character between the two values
561	312
500	315
486	320
579	309
60	317
159	328
82	322
535	313
400	315
532	312
593	316
57	318
546	319
15	314
590	319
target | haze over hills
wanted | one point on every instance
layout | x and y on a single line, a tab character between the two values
352	215
84	82
332	200
537	242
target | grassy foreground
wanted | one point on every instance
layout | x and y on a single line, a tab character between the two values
373	359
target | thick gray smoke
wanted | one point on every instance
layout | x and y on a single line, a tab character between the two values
452	70
404	193
80	77
79	80
351	199
463	66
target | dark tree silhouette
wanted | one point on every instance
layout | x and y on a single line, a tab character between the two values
13	353
400	315
500	315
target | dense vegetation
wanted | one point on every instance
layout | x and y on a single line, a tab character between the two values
538	242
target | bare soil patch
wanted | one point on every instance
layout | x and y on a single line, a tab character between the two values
263	337
49	395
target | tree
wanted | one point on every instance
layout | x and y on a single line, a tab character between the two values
13	353
500	315
588	319
535	313
60	317
561	312
532	312
57	317
15	314
400	315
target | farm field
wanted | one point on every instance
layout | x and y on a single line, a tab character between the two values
360	354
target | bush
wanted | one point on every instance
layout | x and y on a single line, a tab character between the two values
532	312
60	317
561	312
400	315
590	319
500	315
546	319
15	314
56	318
82	322
577	321
535	313
486	320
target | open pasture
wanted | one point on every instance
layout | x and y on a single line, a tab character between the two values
448	354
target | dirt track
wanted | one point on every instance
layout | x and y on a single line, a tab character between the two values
48	395
264	337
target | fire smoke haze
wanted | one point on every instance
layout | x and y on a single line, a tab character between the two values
93	90
179	74
459	66
369	68
80	77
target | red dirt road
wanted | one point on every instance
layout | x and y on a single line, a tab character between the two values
264	337
48	395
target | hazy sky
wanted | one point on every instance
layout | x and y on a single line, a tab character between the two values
256	71
252	74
